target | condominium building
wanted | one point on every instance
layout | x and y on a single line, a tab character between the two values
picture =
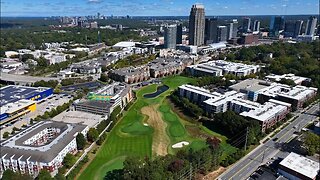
164	67
41	146
221	67
131	74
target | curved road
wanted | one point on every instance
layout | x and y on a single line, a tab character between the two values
248	164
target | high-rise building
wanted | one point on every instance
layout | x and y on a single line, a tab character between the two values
235	28
292	28
246	25
179	34
276	25
196	25
170	37
298	28
311	25
222	33
256	26
211	26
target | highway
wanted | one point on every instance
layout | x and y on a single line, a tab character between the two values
264	152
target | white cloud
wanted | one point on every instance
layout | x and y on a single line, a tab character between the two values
94	1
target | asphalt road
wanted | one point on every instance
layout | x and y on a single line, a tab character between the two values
263	153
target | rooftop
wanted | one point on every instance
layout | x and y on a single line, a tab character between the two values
13	93
78	117
15	147
251	85
301	165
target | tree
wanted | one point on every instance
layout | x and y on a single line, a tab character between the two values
312	143
92	135
68	160
104	77
11	175
101	139
44	175
59	176
81	141
5	135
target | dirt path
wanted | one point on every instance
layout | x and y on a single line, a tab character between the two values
161	140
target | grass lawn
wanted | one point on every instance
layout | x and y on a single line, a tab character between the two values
131	137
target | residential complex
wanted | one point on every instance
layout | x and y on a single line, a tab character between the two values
221	67
296	79
165	67
267	114
40	146
131	74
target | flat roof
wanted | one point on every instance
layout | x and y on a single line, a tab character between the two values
23	78
13	93
15	106
78	117
301	165
251	85
264	112
15	148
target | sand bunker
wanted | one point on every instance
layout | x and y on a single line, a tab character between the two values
145	124
180	144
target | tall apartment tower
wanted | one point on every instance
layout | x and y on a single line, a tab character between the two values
276	25
246	25
222	33
211	30
298	28
256	26
170	37
311	25
179	34
196	25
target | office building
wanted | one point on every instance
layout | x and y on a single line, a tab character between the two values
292	28
248	38
40	146
211	27
276	25
179	34
222	34
170	37
295	166
232	29
246	25
196	25
298	80
298	28
256	26
221	67
311	25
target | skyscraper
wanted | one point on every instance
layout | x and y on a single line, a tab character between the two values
235	28
170	36
211	26
222	33
276	25
298	28
179	34
246	25
196	25
256	26
311	25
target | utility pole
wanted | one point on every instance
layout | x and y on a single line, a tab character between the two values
245	144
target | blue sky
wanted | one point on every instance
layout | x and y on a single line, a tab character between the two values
155	7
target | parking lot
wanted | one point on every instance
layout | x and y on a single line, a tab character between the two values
42	106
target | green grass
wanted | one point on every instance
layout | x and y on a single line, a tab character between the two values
131	138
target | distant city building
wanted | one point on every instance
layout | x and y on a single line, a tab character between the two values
311	25
256	26
276	25
222	33
93	25
196	25
247	38
179	34
170	37
246	25
211	27
292	28
232	29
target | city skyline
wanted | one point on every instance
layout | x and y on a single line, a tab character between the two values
37	8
